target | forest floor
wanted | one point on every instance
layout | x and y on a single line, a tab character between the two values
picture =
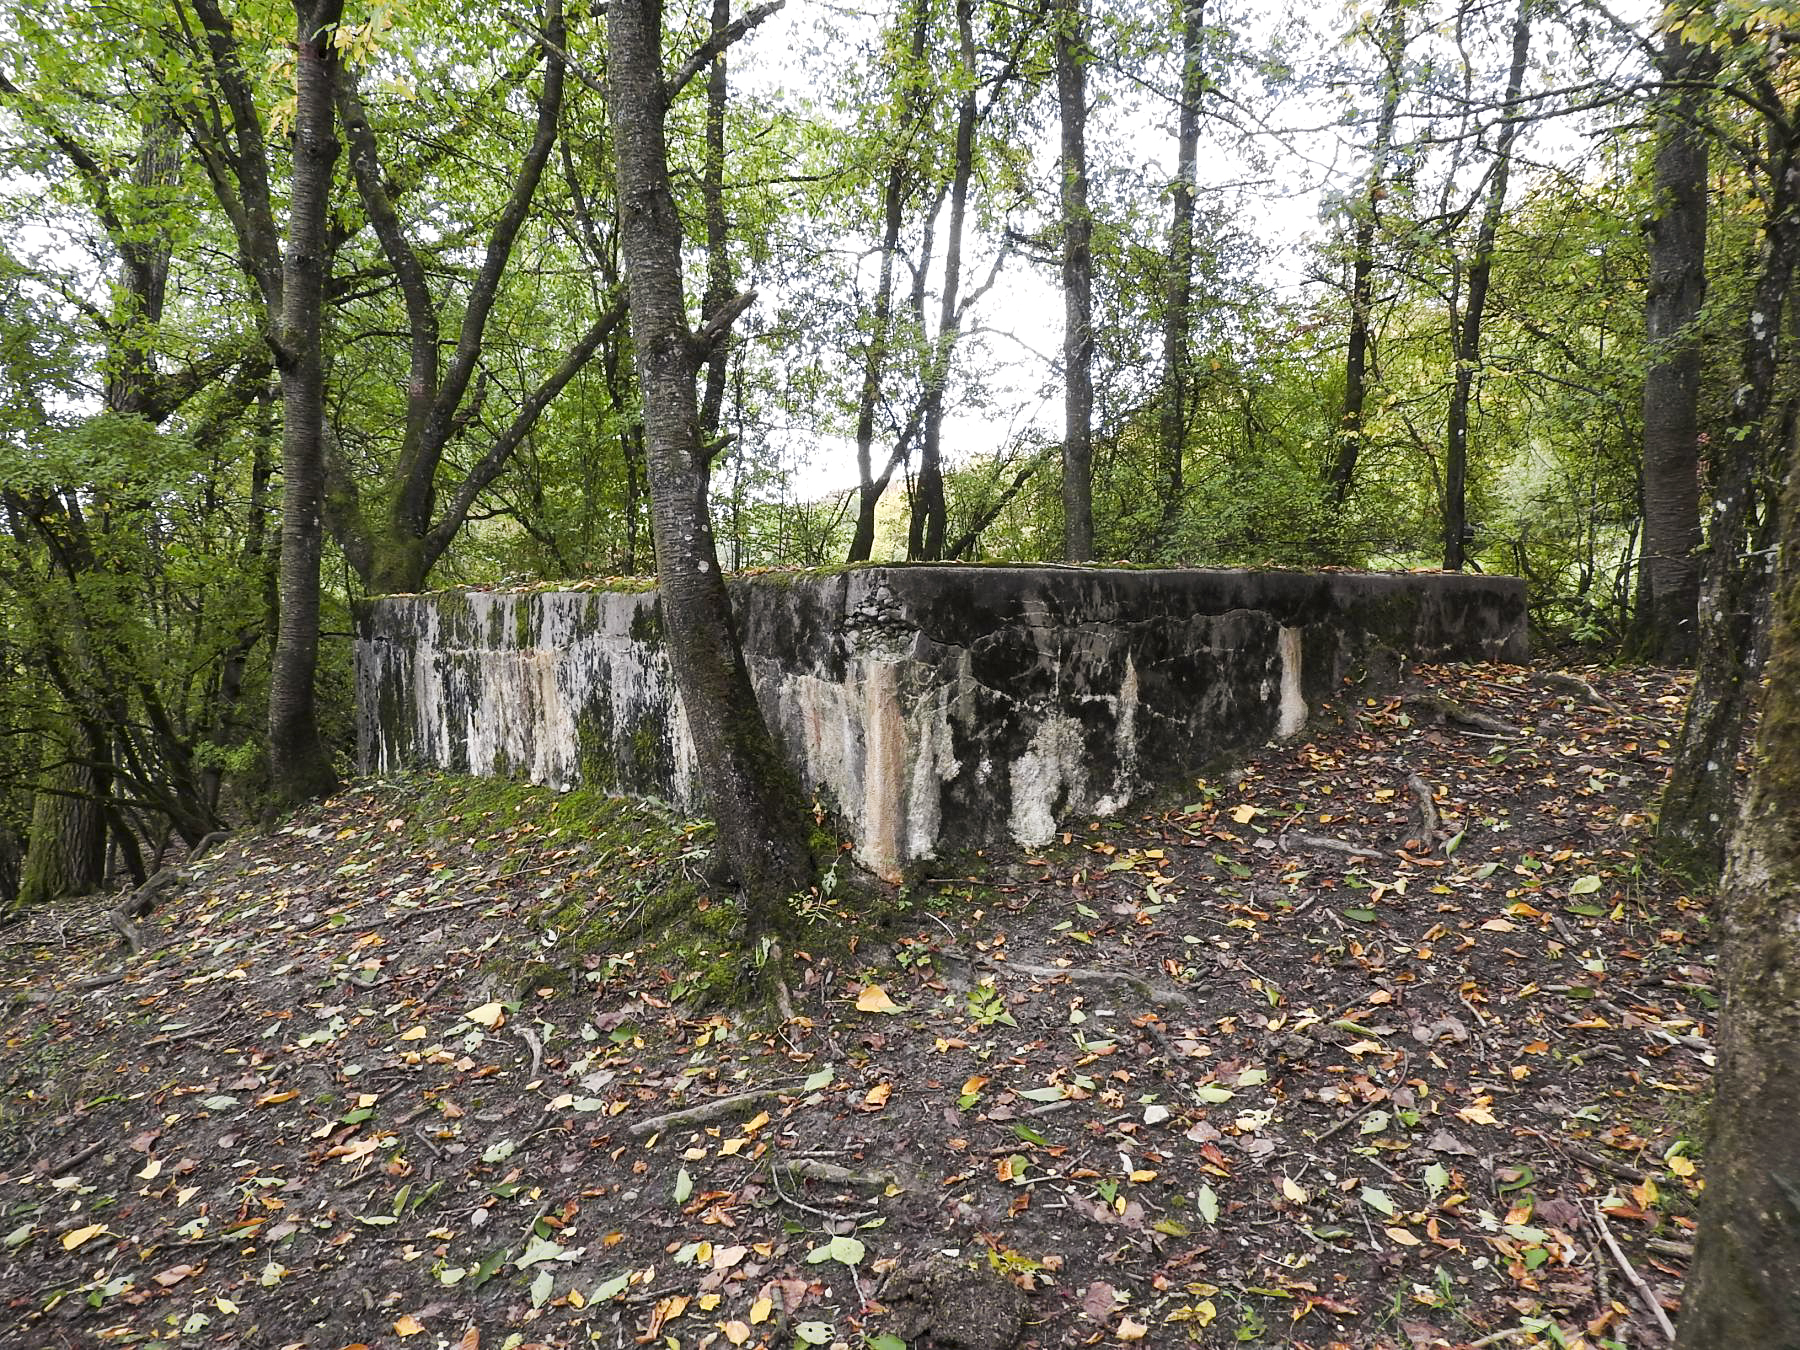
1276	1060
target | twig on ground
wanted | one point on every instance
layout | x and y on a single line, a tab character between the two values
1321	844
1428	816
74	1160
1636	1280
1348	1120
536	1046
1157	994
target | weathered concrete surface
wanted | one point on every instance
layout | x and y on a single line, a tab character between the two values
934	707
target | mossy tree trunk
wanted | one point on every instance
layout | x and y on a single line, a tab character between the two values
763	828
1698	803
1744	1286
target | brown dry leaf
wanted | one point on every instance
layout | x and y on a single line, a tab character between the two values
1400	1235
737	1332
173	1276
874	999
1132	1331
878	1096
471	1339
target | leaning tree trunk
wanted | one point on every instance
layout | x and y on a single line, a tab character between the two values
300	766
1468	336
1743	1288
1078	286
763	832
1676	237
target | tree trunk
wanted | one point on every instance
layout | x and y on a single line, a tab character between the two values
1743	1288
1078	285
763	831
300	766
1676	238
65	844
870	486
1178	278
1362	262
926	531
1468	333
1697	805
712	197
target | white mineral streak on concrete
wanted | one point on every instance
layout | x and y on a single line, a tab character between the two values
1050	774
884	770
1125	709
934	764
1293	704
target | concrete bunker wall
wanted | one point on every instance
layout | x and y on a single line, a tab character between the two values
935	707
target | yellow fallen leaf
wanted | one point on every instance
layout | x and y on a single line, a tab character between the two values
489	1015
151	1170
1132	1331
1400	1235
736	1332
874	999
413	1034
74	1239
1143	1174
229	1308
709	1301
1477	1114
1500	926
973	1084
408	1325
1680	1166
1244	814
878	1095
1294	1191
760	1310
756	1122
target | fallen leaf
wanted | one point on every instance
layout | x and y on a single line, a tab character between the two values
1400	1235
489	1015
74	1239
1132	1331
874	999
877	1096
408	1325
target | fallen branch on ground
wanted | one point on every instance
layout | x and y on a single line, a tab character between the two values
1450	711
704	1113
1158	995
1636	1280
